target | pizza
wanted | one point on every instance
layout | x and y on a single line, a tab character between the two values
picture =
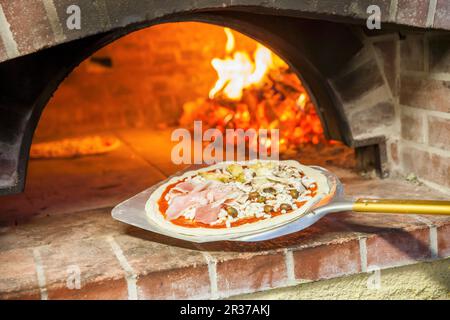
74	147
236	198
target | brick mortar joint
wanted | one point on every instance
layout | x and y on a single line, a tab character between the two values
416	110
426	75
40	273
130	275
426	148
212	273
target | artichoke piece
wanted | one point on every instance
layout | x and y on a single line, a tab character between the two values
235	170
241	178
215	176
259	181
261	199
294	193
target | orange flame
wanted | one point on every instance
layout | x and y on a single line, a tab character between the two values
238	71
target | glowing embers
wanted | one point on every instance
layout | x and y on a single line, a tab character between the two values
257	91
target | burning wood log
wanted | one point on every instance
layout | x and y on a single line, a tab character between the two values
259	94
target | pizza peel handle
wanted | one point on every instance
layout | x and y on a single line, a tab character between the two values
398	206
365	205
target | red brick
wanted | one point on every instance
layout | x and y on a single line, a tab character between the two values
443	235
358	82
439	53
398	248
440	170
439	132
436	220
18	279
412	51
327	261
29	24
425	93
110	289
412	12
429	166
387	51
368	119
186	283
394	152
416	161
412	127
441	19
102	277
166	272
249	272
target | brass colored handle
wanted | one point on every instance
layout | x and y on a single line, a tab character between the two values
434	207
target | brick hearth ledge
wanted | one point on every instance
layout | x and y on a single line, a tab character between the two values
88	255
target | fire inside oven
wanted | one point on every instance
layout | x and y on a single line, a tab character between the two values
170	76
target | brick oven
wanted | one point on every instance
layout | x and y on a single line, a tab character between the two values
375	108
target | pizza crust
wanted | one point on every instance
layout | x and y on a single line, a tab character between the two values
156	216
74	147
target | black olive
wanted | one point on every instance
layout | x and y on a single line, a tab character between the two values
269	190
285	207
232	211
294	193
253	195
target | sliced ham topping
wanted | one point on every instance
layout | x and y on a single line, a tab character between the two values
176	207
207	214
207	198
222	193
201	186
184	187
182	202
